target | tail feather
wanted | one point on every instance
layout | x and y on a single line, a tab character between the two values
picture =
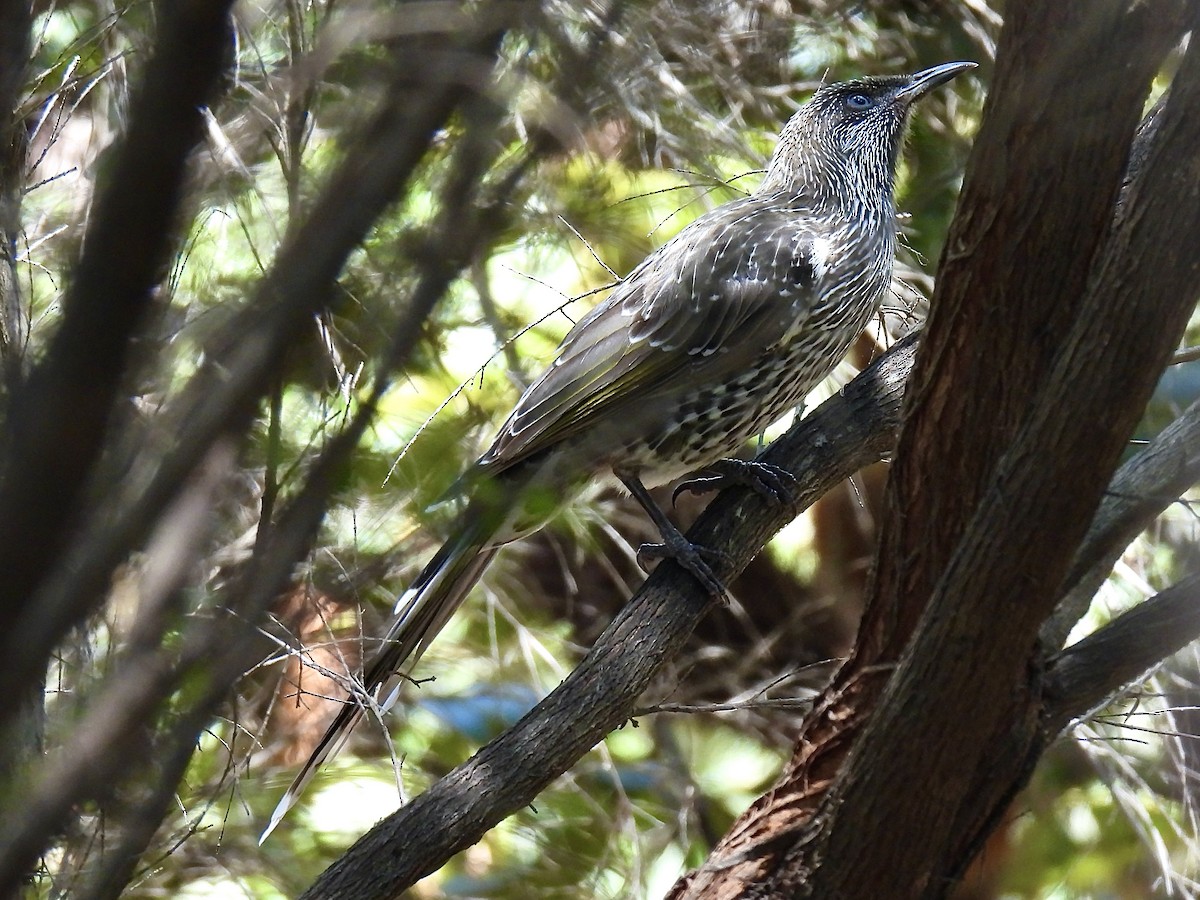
422	611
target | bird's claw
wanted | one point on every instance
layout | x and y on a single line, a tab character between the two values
700	484
772	483
692	557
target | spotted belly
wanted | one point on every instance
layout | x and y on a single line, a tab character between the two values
714	421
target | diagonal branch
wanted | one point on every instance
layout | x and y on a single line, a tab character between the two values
853	429
1142	488
1087	675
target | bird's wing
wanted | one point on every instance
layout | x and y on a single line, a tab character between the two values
720	293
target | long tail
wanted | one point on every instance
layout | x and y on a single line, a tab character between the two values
421	612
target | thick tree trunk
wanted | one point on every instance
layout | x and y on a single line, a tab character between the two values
1049	328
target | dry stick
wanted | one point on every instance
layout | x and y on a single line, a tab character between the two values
852	429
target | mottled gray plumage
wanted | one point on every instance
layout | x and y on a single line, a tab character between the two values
713	337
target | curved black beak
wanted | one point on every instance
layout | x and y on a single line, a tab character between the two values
926	80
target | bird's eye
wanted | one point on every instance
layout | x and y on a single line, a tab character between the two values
858	101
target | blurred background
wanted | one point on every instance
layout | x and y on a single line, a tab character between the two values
647	115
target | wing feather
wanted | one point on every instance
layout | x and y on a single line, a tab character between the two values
730	273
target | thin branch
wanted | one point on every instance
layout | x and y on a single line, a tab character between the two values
1088	674
1142	488
1186	355
222	398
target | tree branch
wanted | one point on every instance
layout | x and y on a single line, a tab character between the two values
992	485
1088	674
245	358
59	418
962	701
852	429
1142	488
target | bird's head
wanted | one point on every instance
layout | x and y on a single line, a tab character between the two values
848	136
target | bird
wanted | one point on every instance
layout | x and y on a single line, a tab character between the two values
714	336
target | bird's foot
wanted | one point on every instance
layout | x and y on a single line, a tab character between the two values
773	484
692	557
674	545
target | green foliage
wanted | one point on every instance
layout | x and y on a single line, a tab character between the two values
675	123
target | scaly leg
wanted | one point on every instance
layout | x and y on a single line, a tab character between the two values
674	545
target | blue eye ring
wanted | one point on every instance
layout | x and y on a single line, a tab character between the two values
859	102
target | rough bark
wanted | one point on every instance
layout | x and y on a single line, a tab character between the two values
1042	308
983	619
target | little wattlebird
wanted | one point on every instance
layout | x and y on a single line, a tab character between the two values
717	334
